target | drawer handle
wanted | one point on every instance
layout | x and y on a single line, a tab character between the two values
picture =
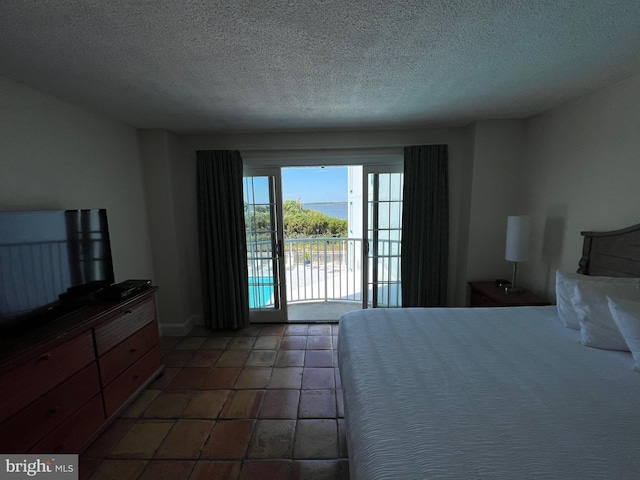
133	350
54	410
136	377
60	447
44	357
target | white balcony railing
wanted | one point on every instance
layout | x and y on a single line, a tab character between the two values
326	270
323	269
316	269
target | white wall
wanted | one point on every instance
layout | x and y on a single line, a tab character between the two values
156	148
54	155
582	172
497	160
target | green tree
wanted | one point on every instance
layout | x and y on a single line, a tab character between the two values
257	221
291	207
299	222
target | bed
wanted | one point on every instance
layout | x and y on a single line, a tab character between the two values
499	393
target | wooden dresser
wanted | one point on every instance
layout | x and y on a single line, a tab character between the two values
64	382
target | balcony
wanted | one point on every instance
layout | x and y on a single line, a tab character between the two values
323	277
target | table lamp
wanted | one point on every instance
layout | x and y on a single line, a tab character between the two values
518	234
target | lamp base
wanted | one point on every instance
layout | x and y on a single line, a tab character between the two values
514	290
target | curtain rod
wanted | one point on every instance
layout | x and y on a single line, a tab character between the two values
303	150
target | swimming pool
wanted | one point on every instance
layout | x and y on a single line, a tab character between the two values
260	292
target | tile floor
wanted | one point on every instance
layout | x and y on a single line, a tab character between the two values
262	403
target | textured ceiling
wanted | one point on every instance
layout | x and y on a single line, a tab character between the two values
194	66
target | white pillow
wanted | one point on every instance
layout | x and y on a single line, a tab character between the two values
565	293
626	314
597	327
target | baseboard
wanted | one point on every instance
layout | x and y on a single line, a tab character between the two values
180	329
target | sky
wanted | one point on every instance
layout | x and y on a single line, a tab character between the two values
315	184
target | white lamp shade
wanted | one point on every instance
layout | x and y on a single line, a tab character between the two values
518	234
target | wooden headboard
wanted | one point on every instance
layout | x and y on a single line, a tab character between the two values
611	254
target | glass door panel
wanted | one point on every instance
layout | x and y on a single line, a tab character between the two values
384	235
263	220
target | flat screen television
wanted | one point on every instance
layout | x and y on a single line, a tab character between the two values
51	262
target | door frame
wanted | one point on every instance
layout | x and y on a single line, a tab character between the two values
259	162
367	169
278	314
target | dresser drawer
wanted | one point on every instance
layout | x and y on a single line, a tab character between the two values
124	323
23	430
30	380
118	391
116	361
72	435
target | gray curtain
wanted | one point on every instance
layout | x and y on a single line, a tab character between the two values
223	246
425	226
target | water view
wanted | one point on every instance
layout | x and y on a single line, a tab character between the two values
333	209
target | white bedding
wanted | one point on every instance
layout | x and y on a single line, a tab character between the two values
492	393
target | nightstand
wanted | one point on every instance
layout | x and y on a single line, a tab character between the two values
487	294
